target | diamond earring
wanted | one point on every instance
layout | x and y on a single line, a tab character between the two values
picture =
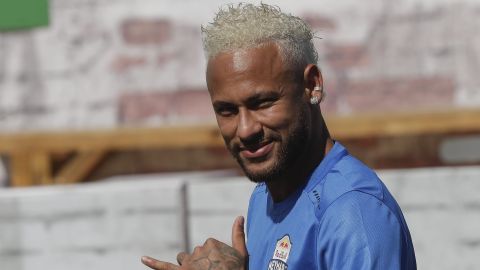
314	100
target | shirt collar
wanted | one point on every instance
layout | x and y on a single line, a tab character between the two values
279	209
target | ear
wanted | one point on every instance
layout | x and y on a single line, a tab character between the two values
312	77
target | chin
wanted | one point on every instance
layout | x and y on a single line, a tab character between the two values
259	173
267	169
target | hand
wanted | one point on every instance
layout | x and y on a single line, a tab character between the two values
213	255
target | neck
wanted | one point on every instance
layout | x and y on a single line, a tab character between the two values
298	175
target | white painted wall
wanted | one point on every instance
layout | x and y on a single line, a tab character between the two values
109	225
63	76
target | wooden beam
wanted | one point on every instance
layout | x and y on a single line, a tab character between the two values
79	167
351	127
31	153
119	139
405	124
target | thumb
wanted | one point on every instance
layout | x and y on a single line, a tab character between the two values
238	236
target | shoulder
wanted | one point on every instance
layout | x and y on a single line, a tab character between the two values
355	201
359	230
360	211
348	174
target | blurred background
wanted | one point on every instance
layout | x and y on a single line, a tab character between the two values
109	147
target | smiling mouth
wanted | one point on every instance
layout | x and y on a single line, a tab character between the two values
258	151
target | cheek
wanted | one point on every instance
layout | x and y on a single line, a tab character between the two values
227	128
277	117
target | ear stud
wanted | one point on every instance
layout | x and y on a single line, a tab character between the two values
314	100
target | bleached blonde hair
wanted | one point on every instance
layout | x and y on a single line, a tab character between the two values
248	26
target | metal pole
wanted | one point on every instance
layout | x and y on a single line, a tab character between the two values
184	218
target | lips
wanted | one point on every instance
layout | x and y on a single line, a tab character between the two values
257	152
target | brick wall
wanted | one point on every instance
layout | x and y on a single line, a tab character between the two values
109	225
109	63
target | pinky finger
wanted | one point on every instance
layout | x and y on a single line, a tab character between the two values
158	265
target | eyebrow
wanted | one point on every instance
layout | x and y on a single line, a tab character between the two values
251	99
220	103
263	94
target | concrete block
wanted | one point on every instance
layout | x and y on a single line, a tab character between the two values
91	226
212	196
212	226
441	207
112	224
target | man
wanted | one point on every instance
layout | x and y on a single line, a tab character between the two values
315	206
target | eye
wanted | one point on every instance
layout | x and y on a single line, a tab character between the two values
264	103
225	110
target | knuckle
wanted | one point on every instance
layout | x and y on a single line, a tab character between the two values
210	241
207	241
197	249
181	256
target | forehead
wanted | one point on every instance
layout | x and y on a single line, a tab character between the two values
247	65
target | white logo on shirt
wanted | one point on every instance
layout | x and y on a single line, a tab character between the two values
281	253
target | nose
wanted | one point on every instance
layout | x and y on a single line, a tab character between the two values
249	130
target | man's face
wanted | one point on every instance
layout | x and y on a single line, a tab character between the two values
261	110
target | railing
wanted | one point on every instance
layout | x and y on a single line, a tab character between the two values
30	154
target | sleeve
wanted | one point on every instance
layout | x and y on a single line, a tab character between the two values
358	231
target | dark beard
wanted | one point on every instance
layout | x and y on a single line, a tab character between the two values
288	154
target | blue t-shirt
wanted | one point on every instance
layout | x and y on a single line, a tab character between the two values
343	218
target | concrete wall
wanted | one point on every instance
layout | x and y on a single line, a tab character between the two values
442	208
105	226
109	63
109	225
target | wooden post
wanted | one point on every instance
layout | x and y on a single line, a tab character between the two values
30	168
40	168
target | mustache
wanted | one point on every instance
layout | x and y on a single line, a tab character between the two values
251	143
